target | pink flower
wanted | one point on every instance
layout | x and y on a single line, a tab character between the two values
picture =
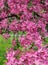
6	35
1	4
14	42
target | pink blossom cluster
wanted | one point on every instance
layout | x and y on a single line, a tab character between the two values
28	20
29	57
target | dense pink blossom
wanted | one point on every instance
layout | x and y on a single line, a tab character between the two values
28	21
28	58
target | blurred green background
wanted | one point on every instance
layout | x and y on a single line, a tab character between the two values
4	45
